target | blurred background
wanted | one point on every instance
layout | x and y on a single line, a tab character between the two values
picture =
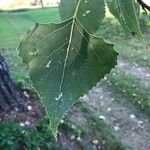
9	4
115	115
13	4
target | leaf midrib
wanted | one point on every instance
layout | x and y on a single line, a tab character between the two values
69	44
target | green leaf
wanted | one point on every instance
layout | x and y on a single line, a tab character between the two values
90	12
126	13
64	62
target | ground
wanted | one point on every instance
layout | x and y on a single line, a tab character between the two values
114	115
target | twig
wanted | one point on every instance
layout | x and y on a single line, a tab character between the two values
144	5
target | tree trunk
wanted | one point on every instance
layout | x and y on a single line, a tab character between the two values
11	96
42	4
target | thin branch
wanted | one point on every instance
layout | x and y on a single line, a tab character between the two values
144	5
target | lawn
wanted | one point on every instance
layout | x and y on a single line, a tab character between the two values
13	23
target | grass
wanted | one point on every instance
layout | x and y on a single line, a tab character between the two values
132	50
130	87
15	137
12	25
100	131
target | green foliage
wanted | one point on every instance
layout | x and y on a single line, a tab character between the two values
111	29
126	13
123	83
134	51
90	14
145	21
14	137
64	60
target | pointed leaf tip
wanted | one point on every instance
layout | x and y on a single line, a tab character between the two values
65	62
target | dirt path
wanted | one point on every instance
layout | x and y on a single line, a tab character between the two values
130	125
135	69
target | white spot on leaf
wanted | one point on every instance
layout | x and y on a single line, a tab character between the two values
87	12
48	64
33	53
59	97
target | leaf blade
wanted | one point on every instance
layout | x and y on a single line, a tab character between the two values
125	12
90	13
64	62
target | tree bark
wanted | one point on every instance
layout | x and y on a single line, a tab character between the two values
11	96
42	4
